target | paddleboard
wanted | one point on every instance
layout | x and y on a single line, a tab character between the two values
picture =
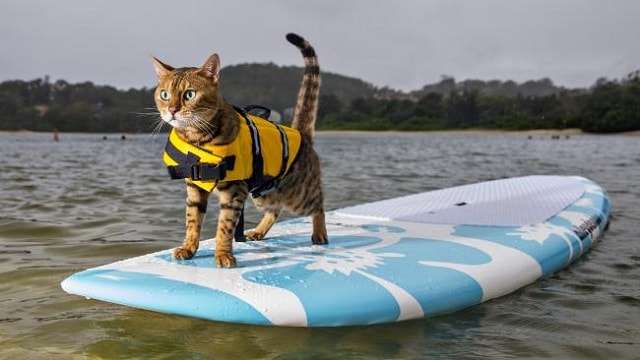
398	259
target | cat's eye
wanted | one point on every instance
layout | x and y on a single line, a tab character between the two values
164	95
189	94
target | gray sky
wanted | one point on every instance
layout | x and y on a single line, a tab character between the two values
403	44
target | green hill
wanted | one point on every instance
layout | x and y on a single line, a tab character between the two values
277	86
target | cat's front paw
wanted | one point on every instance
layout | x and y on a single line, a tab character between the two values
254	235
225	260
183	253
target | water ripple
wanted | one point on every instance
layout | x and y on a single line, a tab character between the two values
62	212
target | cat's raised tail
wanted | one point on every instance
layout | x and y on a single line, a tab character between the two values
306	111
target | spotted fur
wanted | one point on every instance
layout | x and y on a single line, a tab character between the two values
207	118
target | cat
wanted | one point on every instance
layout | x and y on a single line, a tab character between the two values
189	99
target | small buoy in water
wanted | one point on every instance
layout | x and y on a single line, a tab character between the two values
529	137
567	136
104	137
123	137
555	137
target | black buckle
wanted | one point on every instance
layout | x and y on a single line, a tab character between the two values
205	171
195	172
208	172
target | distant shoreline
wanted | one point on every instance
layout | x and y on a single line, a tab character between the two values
538	132
468	131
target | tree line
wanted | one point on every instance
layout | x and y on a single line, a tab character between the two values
610	105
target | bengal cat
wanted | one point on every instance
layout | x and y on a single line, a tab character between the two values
189	99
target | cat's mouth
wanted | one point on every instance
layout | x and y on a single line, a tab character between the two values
187	122
175	121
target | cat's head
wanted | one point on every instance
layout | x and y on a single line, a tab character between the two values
188	98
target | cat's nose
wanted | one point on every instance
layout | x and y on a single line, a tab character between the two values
174	109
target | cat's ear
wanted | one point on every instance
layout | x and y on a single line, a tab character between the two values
161	68
211	68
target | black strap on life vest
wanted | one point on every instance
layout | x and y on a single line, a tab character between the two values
189	166
257	176
260	185
284	141
272	184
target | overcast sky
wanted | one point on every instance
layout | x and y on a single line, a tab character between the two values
402	44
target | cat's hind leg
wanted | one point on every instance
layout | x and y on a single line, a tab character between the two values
269	218
319	235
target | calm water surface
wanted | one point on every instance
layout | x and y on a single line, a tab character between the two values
85	202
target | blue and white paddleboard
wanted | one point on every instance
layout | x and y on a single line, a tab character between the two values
392	260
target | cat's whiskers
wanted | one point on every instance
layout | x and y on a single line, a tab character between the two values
208	126
196	121
211	128
156	130
157	126
145	114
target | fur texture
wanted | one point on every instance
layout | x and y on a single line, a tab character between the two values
189	99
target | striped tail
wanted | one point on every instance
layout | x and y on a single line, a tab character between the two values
304	116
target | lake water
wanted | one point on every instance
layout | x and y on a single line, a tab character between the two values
85	201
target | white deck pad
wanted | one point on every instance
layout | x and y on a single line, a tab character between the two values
506	202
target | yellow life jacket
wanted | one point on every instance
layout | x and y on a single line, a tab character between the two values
261	154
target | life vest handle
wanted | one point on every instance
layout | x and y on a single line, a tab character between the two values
262	111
